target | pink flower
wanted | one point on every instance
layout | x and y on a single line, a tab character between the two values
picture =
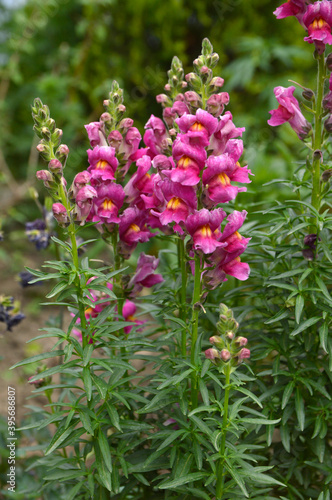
190	161
230	234
203	226
198	128
109	200
132	227
128	311
60	213
226	130
244	354
144	275
212	354
216	103
103	163
289	111
80	181
95	134
181	201
155	136
217	177
83	201
140	182
291	8
318	21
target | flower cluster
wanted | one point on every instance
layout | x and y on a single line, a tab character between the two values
315	17
227	347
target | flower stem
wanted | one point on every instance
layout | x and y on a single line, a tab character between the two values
317	140
220	466
194	335
183	294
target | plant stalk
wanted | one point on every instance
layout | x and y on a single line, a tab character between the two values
183	295
220	466
194	335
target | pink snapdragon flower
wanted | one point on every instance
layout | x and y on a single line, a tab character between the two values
128	313
103	164
318	21
226	130
145	274
84	200
155	137
204	227
289	111
140	183
190	161
199	127
295	8
109	200
132	228
181	201
95	134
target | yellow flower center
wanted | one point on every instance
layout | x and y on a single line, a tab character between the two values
108	204
102	164
184	162
224	179
174	203
88	311
237	234
206	231
134	227
196	127
131	318
318	23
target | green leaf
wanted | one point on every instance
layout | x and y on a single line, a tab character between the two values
105	449
87	352
188	478
201	425
86	421
299	408
323	288
237	478
104	476
59	437
114	416
287	393
277	317
285	437
87	382
63	475
57	289
172	437
260	421
323	336
101	385
299	304
303	326
73	492
38	357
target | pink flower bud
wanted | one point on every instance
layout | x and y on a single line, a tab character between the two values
63	149
115	139
121	108
230	335
241	341
244	354
60	213
105	117
225	355
217	341
41	148
55	166
212	354
126	123
46	177
217	81
167	87
161	98
204	70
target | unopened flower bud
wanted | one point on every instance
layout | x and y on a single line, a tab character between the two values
326	175
37	383
214	59
161	98
167	87
225	355
308	94
46	133
217	341
193	99
184	84
105	117
212	354
241	341
318	154
308	254
121	108
217	81
41	148
244	354
62	152
115	139
328	124
60	213
55	166
194	80
46	177
229	335
126	123
106	102
329	62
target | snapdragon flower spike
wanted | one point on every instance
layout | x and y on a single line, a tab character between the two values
204	227
289	111
145	274
103	164
318	21
295	8
128	313
107	203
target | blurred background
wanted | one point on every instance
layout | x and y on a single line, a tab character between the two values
67	52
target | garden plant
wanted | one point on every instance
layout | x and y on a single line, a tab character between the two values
195	356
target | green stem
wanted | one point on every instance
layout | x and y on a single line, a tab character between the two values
183	295
220	466
317	140
194	335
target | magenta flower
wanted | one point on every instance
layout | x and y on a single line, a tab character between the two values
291	8
198	128
95	134
80	181
204	227
140	183
289	111
155	136
128	312
109	200
230	234
84	199
60	213
103	163
190	161
217	102
226	130
318	21
244	353
217	177
132	228
180	107
181	201
212	354
144	275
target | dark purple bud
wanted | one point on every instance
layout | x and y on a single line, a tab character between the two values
308	254
329	62
328	124
326	175
310	241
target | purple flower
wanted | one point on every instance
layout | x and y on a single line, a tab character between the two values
128	312
291	8
318	21
226	130
144	275
109	200
155	136
95	134
132	228
83	201
289	111
181	201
